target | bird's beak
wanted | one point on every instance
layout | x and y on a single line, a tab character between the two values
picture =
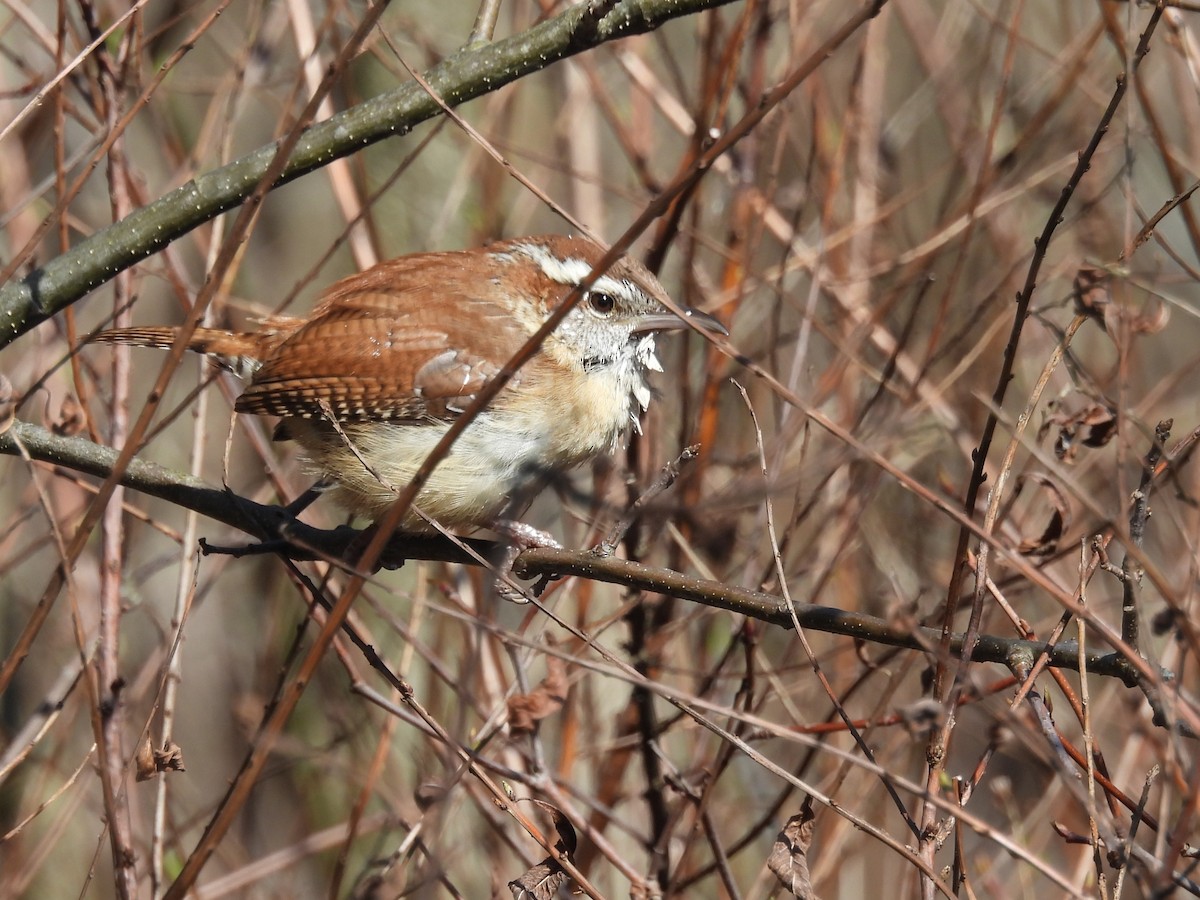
668	321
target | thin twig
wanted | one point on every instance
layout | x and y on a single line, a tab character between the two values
666	477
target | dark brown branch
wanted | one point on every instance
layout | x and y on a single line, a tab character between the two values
773	610
300	541
295	539
1138	514
1021	313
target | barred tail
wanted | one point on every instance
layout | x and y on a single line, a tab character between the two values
240	352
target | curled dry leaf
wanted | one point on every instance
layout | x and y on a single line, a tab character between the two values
543	880
144	760
1092	292
1092	426
150	762
169	758
568	840
8	404
789	857
1047	542
70	418
539	883
526	710
1060	518
1095	425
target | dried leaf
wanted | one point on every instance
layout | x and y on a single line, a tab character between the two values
1065	447
543	880
568	840
526	710
1092	426
169	758
1047	542
1092	292
539	883
150	762
789	856
144	761
1097	425
70	418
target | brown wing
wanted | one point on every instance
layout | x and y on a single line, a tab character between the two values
404	340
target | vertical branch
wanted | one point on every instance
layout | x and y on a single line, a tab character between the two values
1138	514
111	714
345	191
1024	298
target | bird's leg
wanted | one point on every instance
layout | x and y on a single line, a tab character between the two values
518	536
278	544
306	499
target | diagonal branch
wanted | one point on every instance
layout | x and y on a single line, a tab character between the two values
465	75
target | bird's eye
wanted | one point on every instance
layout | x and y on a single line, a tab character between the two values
601	303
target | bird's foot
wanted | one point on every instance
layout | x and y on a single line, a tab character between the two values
519	536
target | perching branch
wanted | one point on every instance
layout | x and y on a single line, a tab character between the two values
300	541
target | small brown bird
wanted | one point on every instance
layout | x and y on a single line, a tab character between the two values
370	381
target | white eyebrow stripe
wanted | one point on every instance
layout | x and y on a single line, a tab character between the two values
623	289
572	270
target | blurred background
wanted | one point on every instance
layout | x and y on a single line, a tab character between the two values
865	244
